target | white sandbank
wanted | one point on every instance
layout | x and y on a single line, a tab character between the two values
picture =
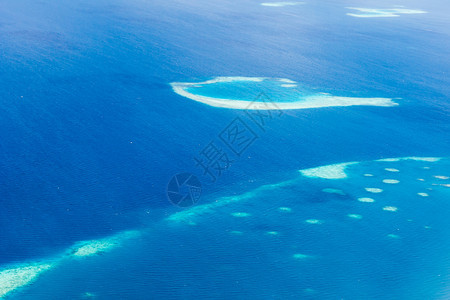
280	4
374	190
303	102
428	159
391	181
390	208
423	194
377	13
92	247
335	171
366	200
17	276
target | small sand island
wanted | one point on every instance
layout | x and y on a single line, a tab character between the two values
262	93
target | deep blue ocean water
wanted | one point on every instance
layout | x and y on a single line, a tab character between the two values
91	132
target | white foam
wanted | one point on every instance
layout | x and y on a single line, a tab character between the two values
366	200
377	13
304	102
392	170
14	278
336	171
391	181
374	190
280	4
390	208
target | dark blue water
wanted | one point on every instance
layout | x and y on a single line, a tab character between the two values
91	132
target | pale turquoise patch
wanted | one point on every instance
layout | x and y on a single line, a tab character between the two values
390	208
365	199
355	216
285	209
301	256
236	232
313	221
393	236
272	232
240	214
391	181
374	190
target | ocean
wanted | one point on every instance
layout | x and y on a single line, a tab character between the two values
92	131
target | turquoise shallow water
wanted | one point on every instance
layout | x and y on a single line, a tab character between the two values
316	237
249	91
